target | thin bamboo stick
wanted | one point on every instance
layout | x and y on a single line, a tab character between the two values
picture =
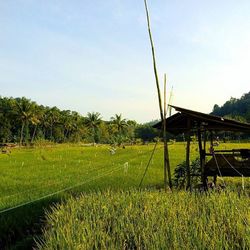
167	171
154	61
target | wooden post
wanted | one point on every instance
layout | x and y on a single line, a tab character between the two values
202	159
166	155
200	145
211	142
211	151
188	156
205	140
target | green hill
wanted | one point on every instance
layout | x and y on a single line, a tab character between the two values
238	109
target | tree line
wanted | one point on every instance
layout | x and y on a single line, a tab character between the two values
24	121
237	109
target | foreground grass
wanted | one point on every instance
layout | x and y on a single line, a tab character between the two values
31	173
28	174
150	220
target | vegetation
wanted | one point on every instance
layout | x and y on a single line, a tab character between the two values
238	109
180	173
34	172
24	121
111	212
150	220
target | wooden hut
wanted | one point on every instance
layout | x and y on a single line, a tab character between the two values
233	162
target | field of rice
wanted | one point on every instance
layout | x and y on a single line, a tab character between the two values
150	220
32	180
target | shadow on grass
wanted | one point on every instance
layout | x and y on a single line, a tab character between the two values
20	226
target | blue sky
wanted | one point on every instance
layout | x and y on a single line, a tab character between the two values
95	55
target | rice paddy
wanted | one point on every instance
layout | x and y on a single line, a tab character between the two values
150	220
28	174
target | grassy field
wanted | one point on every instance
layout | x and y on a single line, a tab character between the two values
27	174
150	220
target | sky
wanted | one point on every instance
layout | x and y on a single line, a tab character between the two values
95	55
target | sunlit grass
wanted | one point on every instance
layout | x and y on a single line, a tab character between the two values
28	174
150	220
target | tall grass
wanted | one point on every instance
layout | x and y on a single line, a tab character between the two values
150	220
30	173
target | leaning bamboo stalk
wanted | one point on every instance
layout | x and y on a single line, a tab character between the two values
163	118
154	60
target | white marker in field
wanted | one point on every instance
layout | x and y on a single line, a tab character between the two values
125	165
112	151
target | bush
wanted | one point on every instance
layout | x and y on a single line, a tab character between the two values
180	173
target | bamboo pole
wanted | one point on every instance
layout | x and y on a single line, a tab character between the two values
170	101
166	156
167	171
154	60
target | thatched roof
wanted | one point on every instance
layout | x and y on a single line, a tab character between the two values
186	119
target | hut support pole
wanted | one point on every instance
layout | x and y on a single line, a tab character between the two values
205	140
188	157
211	139
202	159
211	150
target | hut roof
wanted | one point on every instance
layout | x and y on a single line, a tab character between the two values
179	122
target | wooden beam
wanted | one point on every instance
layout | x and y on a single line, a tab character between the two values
188	156
202	159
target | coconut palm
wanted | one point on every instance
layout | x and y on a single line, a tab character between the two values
50	117
92	121
36	120
6	118
53	118
24	109
119	123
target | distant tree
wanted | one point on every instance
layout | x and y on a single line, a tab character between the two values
119	123
35	121
131	130
234	108
25	110
92	121
146	132
68	124
216	109
53	116
6	118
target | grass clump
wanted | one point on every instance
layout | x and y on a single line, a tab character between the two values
149	220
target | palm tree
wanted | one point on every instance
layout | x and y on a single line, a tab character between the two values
36	119
92	121
120	126
24	109
7	116
53	117
66	120
119	123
